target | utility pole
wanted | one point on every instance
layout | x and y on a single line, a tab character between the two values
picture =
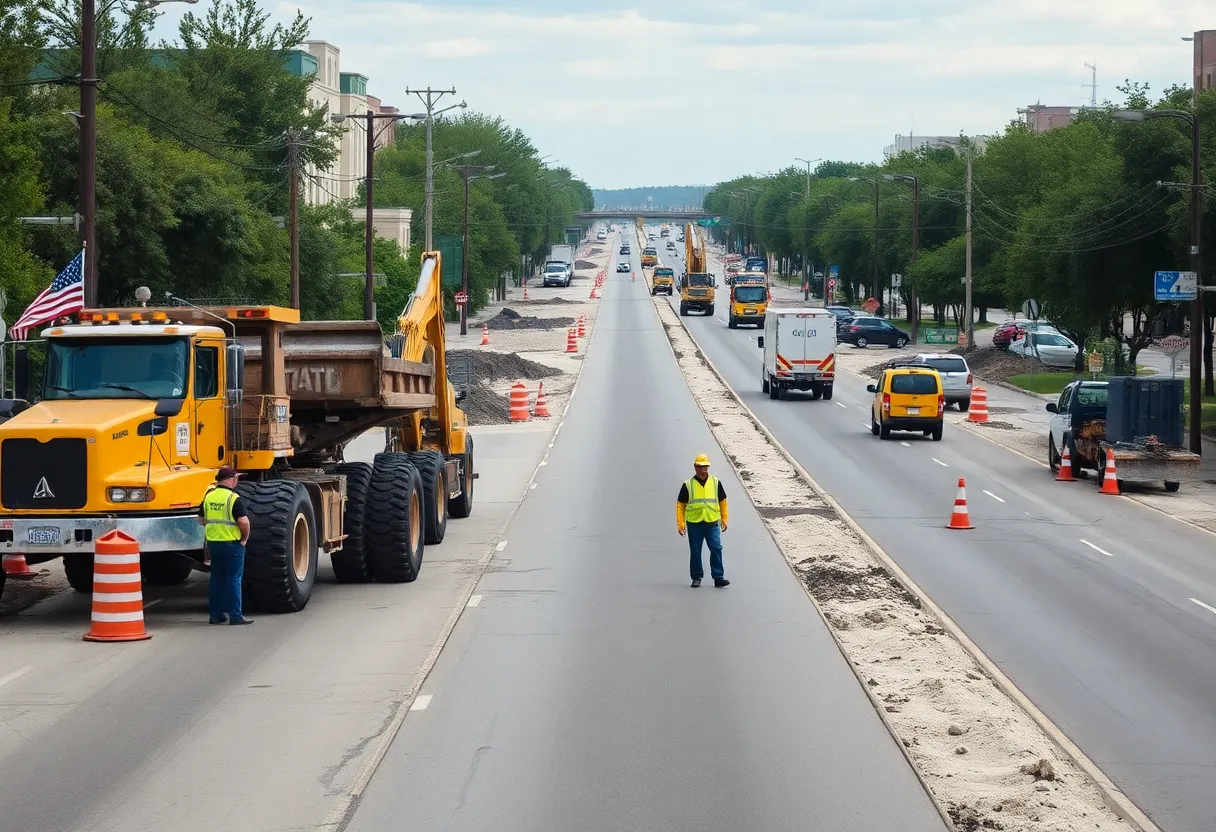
967	278
430	98
468	173
88	147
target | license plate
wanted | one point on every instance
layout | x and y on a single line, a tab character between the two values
43	536
913	411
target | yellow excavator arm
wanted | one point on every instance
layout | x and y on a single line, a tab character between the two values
694	250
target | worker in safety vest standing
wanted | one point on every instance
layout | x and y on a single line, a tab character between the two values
227	529
701	512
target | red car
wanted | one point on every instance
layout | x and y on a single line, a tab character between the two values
1011	331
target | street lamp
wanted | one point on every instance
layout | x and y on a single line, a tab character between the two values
968	153
469	173
913	300
877	289
369	305
1197	326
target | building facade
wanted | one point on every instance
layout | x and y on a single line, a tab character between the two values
910	142
1040	118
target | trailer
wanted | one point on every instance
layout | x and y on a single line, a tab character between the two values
140	406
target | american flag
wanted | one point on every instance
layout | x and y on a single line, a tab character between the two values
63	297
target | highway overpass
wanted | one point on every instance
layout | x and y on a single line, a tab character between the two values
650	214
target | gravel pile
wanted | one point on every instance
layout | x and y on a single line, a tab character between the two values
508	318
498	366
550	300
584	264
485	407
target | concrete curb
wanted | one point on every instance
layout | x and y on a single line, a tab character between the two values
1114	797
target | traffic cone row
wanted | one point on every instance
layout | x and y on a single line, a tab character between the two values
582	326
979	406
571	343
519	403
541	410
485	335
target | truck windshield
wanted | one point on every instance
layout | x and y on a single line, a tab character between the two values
663	272
750	294
115	368
700	280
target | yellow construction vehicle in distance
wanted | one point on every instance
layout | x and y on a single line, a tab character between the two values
697	286
139	407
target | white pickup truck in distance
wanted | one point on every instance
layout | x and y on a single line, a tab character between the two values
799	351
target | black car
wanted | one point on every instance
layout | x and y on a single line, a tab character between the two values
624	249
863	331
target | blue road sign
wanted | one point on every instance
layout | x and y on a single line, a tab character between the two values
834	271
1175	285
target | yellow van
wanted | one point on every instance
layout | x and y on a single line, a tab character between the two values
908	398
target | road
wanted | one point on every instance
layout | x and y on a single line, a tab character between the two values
1084	601
591	688
254	729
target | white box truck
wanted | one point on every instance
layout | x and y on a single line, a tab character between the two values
799	351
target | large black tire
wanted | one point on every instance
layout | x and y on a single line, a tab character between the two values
78	566
683	310
1170	486
3	577
730	323
351	563
461	506
281	555
165	568
937	433
709	313
1053	456
774	392
964	405
396	539
431	469
763	383
827	392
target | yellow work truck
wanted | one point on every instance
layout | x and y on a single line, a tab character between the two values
748	299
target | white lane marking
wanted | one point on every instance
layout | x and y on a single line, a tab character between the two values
1193	601
21	671
939	462
502	544
153	603
864	425
842	404
532	486
905	444
993	496
550	444
475	601
543	463
422	702
1097	549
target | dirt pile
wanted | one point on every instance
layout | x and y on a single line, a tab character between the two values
485	407
550	300
508	318
499	366
584	264
989	363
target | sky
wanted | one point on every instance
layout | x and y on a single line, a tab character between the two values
691	92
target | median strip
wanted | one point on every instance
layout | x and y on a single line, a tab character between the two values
987	757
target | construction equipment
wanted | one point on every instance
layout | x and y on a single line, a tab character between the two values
140	406
697	286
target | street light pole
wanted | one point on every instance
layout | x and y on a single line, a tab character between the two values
88	147
967	277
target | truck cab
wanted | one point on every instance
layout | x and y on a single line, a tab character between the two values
650	257
748	300
697	293
663	280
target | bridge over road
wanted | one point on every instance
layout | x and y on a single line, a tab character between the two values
650	214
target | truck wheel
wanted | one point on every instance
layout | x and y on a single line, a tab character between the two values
397	539
827	392
433	473
78	567
683	310
730	323
873	426
1170	486
281	555
351	564
461	506
1074	457
964	405
774	391
763	383
937	433
884	432
709	312
165	568
2	579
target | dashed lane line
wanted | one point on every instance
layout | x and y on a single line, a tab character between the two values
993	496
1207	607
21	671
1097	549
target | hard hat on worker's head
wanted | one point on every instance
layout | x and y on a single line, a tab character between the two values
701	459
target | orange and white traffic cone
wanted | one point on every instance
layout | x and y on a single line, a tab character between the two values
582	326
633	276
485	335
1065	472
1110	479
571	343
979	406
525	290
960	518
118	598
541	410
519	403
16	568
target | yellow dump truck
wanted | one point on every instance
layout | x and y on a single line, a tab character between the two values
650	257
140	406
663	280
697	286
748	299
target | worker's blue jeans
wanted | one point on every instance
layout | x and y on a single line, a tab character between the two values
227	569
699	533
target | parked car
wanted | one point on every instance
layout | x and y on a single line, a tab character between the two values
955	374
557	274
908	399
863	331
623	266
1011	331
1053	349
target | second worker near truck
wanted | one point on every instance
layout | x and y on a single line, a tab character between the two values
702	514
227	530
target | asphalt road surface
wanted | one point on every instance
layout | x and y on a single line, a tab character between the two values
1101	610
591	688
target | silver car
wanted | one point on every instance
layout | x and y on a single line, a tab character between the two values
1053	349
956	376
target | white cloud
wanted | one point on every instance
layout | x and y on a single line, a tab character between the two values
701	90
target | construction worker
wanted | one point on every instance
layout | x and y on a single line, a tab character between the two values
227	531
701	512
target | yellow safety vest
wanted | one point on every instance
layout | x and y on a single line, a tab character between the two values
703	501
217	511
